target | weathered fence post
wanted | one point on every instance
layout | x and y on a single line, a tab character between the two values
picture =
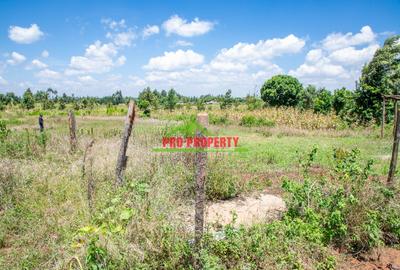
72	130
395	150
90	180
200	163
383	116
122	158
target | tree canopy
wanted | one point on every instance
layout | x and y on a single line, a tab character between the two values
282	90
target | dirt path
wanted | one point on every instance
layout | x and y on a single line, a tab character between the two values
247	210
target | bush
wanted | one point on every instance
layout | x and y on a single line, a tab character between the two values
221	183
219	120
252	121
282	90
350	208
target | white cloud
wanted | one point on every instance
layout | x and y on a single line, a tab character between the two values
122	38
98	58
86	79
183	43
16	58
38	64
352	56
48	74
179	26
25	35
45	54
3	81
175	60
137	81
150	30
314	55
114	25
337	61
225	65
320	68
121	60
241	55
266	49
336	41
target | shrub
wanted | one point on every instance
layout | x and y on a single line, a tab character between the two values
219	120
221	183
252	121
350	208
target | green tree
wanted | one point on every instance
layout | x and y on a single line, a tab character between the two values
172	99
145	106
381	76
117	98
341	100
28	101
253	102
149	96
323	101
226	100
308	97
282	90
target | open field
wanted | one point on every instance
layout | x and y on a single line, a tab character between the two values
46	221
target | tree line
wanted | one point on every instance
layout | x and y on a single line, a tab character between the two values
381	76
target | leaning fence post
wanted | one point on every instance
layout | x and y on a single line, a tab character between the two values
395	150
72	130
200	163
122	158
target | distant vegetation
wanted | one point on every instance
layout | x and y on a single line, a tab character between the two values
363	105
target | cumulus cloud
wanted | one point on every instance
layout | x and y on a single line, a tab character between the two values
38	64
45	54
175	60
243	54
150	30
16	59
25	35
98	58
352	56
48	74
177	25
122	38
336	41
338	59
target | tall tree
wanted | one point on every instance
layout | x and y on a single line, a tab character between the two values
226	100
28	101
172	99
117	98
379	77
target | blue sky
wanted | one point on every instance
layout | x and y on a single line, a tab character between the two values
197	47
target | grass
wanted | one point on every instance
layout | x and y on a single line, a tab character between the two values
45	221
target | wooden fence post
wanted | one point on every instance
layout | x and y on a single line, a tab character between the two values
90	180
200	163
383	116
122	158
395	150
72	130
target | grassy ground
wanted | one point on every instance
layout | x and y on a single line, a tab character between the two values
45	221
